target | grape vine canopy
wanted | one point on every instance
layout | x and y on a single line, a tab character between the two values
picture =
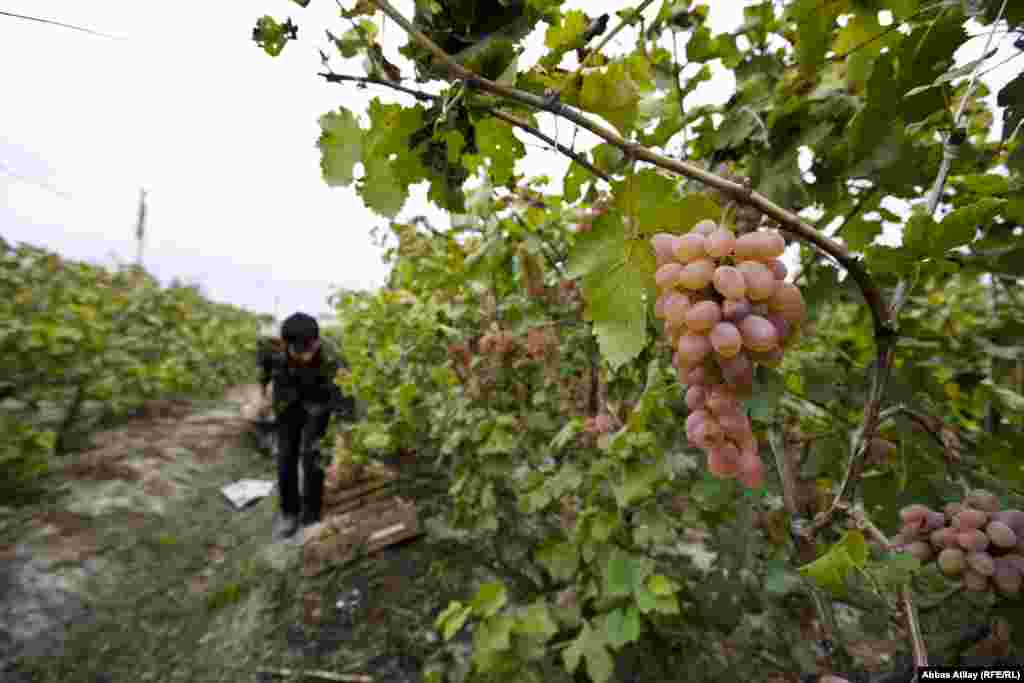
672	450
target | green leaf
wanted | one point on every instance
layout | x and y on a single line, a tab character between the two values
655	205
614	92
961	225
536	620
573	183
560	559
452	619
637	483
770	387
489	599
814	32
859	233
895	570
590	645
623	626
496	141
661	586
616	275
493	635
341	146
567	33
831	569
273	36
779	580
622	574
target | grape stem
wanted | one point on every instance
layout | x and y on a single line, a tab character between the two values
906	600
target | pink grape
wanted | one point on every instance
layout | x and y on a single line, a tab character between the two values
697	375
761	283
778	269
758	333
1007	577
1001	535
944	537
751	468
667	276
969	518
788	302
693	348
706	434
720	243
659	306
921	550
697	274
690	247
935	520
782	326
760	245
1011	518
705	227
694	420
735	310
724	460
664	247
703	316
676	306
696	396
726	339
721	400
973	540
982	563
982	500
729	282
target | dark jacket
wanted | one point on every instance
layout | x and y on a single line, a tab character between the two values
313	386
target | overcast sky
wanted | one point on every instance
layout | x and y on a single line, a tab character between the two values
222	136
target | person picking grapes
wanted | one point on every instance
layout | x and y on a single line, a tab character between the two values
304	397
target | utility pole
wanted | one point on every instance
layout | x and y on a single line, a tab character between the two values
140	227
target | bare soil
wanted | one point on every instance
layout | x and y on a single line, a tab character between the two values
142	571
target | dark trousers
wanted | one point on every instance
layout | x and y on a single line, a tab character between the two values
299	435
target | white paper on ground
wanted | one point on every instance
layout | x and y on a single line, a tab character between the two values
245	491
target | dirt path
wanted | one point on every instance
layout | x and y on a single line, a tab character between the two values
144	572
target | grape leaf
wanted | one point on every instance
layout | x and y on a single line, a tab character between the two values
452	619
616	274
560	559
591	645
496	141
614	92
536	621
623	626
341	146
655	205
637	483
895	570
489	599
620	575
831	569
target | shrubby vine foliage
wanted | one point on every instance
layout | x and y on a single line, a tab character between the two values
526	351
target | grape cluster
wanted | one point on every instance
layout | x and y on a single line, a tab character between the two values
973	539
726	306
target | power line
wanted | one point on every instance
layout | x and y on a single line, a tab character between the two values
62	24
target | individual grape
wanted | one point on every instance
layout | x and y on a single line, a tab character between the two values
1007	578
734	424
676	306
759	246
761	283
696	396
729	282
724	460
693	348
751	470
935	520
952	561
974	581
726	339
778	269
735	310
788	302
969	518
1001	535
659	306
758	333
667	276
694	420
697	274
921	550
691	247
980	499
1016	560
703	316
782	326
911	530
708	434
698	375
720	243
705	227
664	247
944	537
720	400
981	562
1011	518
973	540
914	513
